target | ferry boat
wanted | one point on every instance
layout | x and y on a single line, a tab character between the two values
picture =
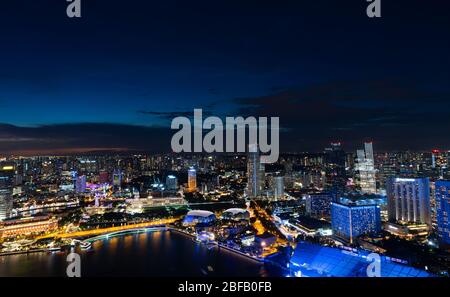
85	245
52	247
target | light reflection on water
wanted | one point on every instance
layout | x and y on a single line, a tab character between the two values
161	253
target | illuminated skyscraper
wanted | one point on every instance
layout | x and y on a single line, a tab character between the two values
335	175
278	187
443	211
409	200
192	180
104	177
7	171
350	221
319	204
80	186
117	178
171	182
365	169
255	172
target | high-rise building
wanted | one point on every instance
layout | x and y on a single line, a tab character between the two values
171	183
192	180
350	221
365	169
409	200
117	178
442	194
7	172
255	172
103	177
278	187
80	185
318	205
335	175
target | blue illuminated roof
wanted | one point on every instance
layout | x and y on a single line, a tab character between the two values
315	261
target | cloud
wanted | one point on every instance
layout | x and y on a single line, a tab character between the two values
394	114
169	115
82	137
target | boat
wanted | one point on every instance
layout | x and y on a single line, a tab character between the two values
53	249
85	245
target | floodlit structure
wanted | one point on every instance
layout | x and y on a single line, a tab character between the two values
195	217
171	183
255	172
365	169
27	226
192	180
350	221
7	172
443	211
409	200
318	205
236	214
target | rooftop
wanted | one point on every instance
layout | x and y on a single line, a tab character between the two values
316	260
200	213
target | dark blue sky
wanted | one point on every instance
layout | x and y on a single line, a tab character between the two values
114	78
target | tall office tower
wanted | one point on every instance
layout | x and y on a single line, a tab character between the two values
74	175
335	175
7	171
365	169
350	221
278	187
262	177
433	158
387	167
117	178
192	180
288	174
409	200
103	177
171	183
442	195
80	186
255	172
318	205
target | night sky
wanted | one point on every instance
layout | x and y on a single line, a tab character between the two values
115	78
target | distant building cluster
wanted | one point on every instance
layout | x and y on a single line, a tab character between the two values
355	199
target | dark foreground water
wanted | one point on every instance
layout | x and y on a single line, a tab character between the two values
161	253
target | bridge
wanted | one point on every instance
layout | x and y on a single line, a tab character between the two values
118	233
100	231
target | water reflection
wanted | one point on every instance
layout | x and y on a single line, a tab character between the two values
162	253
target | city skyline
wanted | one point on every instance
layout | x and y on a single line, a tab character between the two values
204	139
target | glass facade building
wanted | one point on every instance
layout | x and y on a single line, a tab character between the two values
255	172
192	180
365	169
319	204
7	173
350	221
442	194
409	200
